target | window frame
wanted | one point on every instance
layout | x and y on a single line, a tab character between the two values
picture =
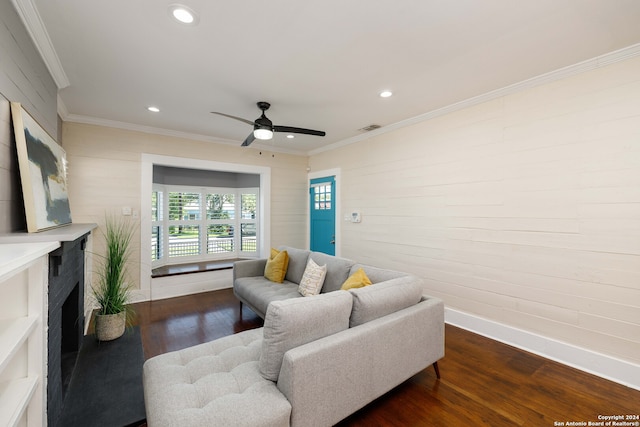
163	222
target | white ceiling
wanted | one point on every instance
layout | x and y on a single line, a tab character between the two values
320	64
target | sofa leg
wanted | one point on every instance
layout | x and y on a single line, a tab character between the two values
240	310
435	366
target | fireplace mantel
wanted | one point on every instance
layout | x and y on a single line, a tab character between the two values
67	233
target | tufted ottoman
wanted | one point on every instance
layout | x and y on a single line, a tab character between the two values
213	384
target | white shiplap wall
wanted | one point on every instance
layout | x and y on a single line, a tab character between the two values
105	175
23	78
524	210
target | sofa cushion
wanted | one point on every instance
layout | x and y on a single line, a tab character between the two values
293	322
337	270
276	267
258	292
297	263
358	279
372	302
216	383
312	279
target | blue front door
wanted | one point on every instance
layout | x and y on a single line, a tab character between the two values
322	193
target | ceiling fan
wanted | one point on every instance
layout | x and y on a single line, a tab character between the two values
263	128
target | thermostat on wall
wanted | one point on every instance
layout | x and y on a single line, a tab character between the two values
355	217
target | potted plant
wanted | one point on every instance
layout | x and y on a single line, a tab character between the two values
111	290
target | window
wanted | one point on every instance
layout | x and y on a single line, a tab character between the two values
248	206
322	197
197	224
156	220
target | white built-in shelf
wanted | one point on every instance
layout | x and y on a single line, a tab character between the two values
23	285
15	397
13	333
17	256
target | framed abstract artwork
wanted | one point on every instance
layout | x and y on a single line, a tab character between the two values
43	173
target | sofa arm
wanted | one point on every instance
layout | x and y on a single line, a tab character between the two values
249	268
363	362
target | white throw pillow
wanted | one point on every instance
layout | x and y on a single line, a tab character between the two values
312	279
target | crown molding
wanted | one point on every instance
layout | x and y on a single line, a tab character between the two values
89	120
559	74
35	27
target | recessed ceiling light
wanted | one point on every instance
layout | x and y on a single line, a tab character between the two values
385	94
291	136
183	14
153	109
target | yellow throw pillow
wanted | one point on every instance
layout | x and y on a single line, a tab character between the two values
276	267
274	253
357	280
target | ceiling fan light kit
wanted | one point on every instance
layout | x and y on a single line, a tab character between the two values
263	128
263	134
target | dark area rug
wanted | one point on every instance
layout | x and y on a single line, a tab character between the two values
106	385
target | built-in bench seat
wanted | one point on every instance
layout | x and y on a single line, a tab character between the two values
193	267
190	278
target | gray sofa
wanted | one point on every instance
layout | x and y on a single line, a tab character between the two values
254	290
362	343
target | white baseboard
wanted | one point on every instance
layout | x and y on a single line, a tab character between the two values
608	367
138	295
187	284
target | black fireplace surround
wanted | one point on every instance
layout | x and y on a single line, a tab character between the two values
66	320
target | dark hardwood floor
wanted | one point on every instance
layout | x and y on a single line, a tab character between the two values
484	382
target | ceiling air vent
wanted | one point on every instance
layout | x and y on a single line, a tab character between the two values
370	128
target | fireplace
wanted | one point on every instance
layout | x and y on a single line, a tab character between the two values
70	344
66	321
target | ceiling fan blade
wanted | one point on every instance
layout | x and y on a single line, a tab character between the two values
249	122
249	140
289	129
